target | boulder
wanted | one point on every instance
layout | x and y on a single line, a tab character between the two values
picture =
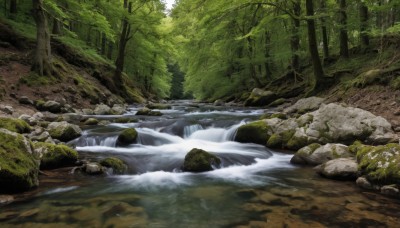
19	167
200	161
255	132
390	190
118	109
51	106
148	112
64	131
25	100
39	135
219	103
305	105
116	164
158	106
278	102
15	125
87	111
55	156
341	168
29	119
260	97
7	109
380	164
128	136
91	121
102	109
316	154
93	168
363	182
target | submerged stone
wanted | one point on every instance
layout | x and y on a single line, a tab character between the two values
198	160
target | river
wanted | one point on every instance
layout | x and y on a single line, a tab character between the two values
254	187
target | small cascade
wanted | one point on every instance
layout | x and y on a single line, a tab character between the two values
152	137
216	134
189	130
96	140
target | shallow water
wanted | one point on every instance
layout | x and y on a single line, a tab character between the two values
254	187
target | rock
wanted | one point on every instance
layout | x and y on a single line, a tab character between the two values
278	102
118	109
256	132
259	97
128	136
200	161
29	119
51	106
64	131
87	111
55	156
390	190
125	120
6	199
341	168
39	135
15	125
362	182
305	105
93	168
19	168
7	109
116	164
68	109
25	100
91	121
38	116
102	109
73	117
219	103
148	112
380	164
316	154
158	106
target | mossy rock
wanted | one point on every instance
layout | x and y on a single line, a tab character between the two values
64	131
279	141
125	120
301	155
198	160
19	168
296	143
128	136
117	165
56	156
277	102
281	116
256	132
39	104
159	106
148	112
15	125
381	164
91	121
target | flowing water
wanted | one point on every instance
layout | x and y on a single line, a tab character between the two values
254	187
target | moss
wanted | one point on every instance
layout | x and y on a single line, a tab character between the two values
277	102
35	80
116	164
125	120
198	160
128	136
395	83
380	164
159	106
56	156
39	104
91	121
15	125
64	134
256	132
281	116
296	143
355	147
275	141
314	146
18	168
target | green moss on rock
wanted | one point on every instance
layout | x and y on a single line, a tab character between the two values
91	121
19	168
56	156
256	132
125	120
381	164
64	131
116	164
15	125
296	143
198	160
128	136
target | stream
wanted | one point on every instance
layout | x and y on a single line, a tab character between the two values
254	187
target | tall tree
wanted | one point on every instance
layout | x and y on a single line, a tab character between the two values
42	62
312	45
13	7
344	39
364	24
324	30
295	38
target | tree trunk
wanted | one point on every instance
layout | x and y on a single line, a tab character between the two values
13	6
364	25
295	38
312	44
120	62
110	50
103	44
344	47
56	27
325	41
42	60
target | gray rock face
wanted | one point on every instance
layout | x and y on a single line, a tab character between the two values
219	103
314	155
341	168
305	105
7	109
363	182
93	168
87	111
64	131
52	106
25	100
102	109
118	109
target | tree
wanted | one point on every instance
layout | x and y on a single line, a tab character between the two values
42	62
312	45
344	39
364	25
324	30
13	7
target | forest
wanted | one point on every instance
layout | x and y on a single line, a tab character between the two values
199	113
